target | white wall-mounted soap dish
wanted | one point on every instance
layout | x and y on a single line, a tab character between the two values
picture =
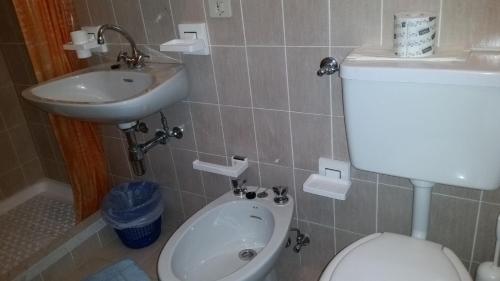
183	46
333	179
84	42
193	40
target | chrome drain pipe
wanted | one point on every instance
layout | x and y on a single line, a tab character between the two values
137	151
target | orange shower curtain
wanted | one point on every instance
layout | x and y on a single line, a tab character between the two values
46	26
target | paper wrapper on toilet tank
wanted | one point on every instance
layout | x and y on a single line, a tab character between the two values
414	34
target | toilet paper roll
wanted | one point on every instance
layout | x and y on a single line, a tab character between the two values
414	34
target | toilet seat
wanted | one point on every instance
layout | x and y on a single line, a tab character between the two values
395	257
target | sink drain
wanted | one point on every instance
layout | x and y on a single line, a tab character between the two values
247	254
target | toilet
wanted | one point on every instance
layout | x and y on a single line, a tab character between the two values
231	239
431	122
395	257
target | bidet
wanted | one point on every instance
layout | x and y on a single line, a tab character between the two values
230	239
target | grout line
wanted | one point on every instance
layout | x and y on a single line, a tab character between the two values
381	23
197	151
455	197
143	22
101	245
376	204
315	223
476	227
289	117
218	99
88	12
392	185
215	84
330	94
288	95
251	95
192	193
71	256
115	19
440	22
268	109
434	192
173	19
284	45
350	231
178	187
333	228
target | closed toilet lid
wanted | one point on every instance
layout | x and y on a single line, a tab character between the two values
394	257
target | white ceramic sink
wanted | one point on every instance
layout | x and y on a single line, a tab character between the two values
207	247
106	95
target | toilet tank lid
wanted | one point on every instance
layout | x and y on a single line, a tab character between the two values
476	68
395	257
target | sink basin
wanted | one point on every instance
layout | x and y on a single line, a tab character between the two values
106	95
231	239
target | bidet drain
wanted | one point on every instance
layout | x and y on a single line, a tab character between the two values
247	254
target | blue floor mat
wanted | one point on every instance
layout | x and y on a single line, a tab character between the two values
125	270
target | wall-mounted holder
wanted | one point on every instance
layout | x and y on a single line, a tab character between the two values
239	165
84	42
333	180
193	40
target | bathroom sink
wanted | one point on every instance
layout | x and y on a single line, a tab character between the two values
231	239
106	95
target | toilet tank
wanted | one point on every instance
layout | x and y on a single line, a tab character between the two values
432	121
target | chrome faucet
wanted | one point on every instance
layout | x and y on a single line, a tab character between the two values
239	188
136	60
280	193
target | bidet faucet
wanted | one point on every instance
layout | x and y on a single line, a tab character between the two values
239	188
280	193
136	60
301	240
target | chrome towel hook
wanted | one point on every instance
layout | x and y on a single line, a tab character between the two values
328	66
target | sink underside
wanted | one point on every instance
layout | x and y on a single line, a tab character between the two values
101	94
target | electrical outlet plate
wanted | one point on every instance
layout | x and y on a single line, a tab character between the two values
220	8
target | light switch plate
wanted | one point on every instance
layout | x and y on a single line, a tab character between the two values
220	8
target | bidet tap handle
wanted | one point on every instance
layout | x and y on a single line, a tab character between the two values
280	191
122	55
239	188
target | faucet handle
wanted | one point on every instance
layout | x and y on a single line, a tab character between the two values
139	60
239	188
122	56
141	56
281	192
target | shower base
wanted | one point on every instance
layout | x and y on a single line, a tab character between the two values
31	220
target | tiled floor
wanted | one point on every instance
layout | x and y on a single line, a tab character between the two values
30	227
113	251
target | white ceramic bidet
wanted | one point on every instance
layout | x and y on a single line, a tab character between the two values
231	239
